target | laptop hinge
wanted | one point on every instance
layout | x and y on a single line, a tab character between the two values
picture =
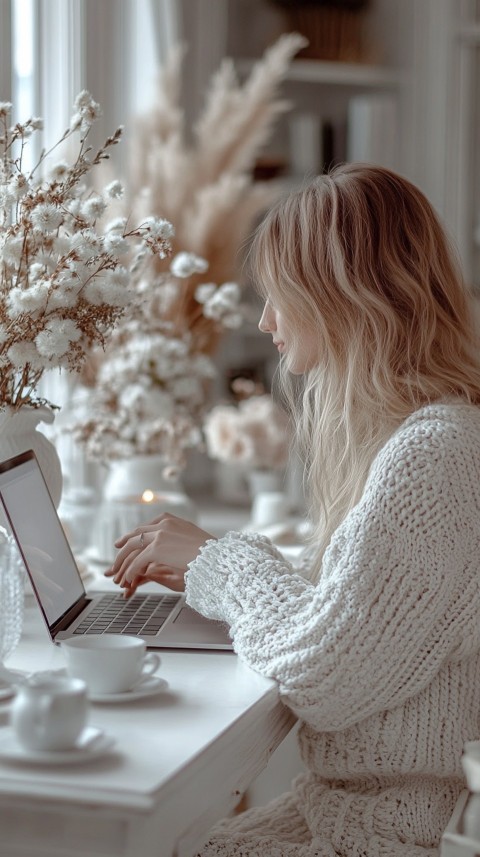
66	620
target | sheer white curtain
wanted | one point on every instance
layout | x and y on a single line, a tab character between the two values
201	25
113	48
60	61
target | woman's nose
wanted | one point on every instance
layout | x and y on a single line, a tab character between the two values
265	323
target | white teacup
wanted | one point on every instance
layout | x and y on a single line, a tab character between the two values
109	663
49	712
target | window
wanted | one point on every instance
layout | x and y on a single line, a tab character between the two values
24	96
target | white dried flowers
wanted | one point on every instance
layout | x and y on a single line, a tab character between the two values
64	283
151	385
254	434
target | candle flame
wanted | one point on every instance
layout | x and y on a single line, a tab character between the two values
147	496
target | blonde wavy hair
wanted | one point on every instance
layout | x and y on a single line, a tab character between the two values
359	256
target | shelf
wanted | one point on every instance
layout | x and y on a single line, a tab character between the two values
335	73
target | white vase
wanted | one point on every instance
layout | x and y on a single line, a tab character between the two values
18	433
269	500
135	492
260	481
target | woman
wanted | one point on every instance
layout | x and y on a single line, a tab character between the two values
375	640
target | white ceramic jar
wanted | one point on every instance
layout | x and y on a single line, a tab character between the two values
49	712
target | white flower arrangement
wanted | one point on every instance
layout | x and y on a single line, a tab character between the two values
151	388
151	383
254	434
64	284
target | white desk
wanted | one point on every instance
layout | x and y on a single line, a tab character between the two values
181	762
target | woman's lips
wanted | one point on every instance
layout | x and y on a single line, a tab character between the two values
279	345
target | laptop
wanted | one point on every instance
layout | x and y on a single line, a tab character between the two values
162	619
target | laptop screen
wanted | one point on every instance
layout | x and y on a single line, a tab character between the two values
39	535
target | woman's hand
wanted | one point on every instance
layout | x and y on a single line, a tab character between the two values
159	551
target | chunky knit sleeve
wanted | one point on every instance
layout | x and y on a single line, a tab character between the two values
398	592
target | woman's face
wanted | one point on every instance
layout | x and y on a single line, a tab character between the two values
301	355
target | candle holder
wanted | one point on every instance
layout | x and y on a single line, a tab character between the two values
134	494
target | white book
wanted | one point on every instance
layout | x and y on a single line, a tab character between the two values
305	143
372	132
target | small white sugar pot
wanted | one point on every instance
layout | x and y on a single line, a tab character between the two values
49	712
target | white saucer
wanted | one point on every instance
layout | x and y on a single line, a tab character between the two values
91	744
148	686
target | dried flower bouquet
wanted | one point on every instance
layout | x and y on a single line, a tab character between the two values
205	187
64	284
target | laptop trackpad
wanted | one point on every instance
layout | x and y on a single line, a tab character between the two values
190	629
188	616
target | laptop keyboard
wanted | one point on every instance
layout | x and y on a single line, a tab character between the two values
140	614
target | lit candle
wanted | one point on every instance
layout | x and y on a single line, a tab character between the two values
124	514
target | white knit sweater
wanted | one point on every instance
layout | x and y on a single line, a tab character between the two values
380	659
